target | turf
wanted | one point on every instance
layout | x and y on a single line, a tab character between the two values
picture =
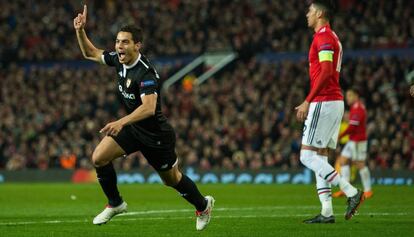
154	210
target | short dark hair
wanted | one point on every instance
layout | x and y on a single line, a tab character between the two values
327	6
135	31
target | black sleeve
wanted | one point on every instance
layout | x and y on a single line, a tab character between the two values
110	58
148	84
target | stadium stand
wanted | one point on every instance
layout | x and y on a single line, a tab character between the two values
29	31
240	119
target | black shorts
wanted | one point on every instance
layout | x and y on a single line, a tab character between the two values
161	155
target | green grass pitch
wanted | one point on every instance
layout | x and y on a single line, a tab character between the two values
154	210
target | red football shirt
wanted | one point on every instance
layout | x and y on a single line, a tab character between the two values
325	47
357	128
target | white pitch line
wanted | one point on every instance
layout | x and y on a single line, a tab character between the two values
191	217
220	209
246	216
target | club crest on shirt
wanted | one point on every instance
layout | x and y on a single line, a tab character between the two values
128	83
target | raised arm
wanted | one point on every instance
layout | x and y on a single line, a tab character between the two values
89	51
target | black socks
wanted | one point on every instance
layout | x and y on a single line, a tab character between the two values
188	190
107	179
186	187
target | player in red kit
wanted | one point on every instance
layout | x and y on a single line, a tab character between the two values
322	112
356	148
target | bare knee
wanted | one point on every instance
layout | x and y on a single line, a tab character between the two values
106	151
171	178
98	159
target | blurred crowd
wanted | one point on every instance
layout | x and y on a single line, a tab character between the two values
242	119
245	119
43	30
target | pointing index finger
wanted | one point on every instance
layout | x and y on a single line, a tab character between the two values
85	10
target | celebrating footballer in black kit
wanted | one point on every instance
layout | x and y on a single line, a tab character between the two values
144	129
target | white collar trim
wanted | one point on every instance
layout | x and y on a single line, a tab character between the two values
134	64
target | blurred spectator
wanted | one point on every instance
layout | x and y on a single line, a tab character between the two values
67	160
241	119
250	109
244	119
16	162
43	30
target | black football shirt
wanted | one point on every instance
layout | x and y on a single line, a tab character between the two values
135	81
